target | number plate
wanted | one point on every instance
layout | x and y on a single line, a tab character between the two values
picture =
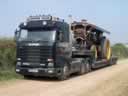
33	70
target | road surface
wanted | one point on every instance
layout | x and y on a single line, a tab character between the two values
109	81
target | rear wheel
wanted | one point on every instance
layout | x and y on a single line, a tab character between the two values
113	61
85	67
106	51
64	74
82	68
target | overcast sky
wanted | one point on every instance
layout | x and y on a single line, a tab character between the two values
109	14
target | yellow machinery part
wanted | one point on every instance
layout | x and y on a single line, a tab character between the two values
93	48
108	51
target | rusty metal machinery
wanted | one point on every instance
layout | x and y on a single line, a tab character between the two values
91	37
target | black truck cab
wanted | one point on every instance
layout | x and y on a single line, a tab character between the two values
43	46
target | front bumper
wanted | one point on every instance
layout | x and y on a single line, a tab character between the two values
46	72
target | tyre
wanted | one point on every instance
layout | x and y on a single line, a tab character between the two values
82	68
113	61
85	67
64	74
106	51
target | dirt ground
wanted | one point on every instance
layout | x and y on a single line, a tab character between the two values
109	81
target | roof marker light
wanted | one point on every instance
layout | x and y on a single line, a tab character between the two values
25	23
44	23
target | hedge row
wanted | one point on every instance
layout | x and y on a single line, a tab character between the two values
120	50
7	59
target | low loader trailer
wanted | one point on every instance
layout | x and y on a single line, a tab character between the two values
47	46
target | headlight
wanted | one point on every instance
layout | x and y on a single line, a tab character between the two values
18	58
19	63
50	64
17	70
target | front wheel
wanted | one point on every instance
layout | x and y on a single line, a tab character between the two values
64	74
106	50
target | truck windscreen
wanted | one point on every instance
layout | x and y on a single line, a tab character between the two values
37	35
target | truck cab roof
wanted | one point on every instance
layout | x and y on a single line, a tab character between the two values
42	21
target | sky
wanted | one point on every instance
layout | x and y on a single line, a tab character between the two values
111	15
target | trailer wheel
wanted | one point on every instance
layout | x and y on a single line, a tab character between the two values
105	49
87	66
82	68
113	61
64	74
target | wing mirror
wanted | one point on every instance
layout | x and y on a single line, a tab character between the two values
17	32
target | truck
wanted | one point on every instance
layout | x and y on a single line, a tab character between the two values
48	46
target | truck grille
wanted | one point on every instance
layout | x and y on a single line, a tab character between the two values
35	54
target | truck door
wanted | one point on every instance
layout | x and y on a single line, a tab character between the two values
64	45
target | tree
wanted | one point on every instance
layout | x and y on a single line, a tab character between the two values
120	50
